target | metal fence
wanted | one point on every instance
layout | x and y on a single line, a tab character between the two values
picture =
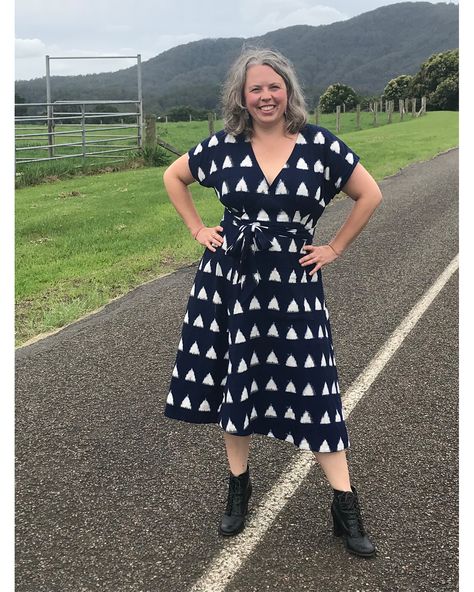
89	137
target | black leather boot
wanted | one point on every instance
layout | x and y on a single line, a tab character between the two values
240	489
347	520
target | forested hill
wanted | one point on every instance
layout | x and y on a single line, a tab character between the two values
364	52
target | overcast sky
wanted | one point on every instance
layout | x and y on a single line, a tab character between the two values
149	27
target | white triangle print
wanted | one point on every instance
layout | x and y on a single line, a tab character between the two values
314	278
216	299
337	184
302	190
297	217
240	338
213	141
301	139
180	346
337	382
211	353
186	318
271	386
338	417
229	139
340	444
307	308
208	380
301	164
254	304
325	389
326	329
323	360
320	332
274	276
324	447
330	360
350	158
230	427
262	216
319	138
335	147
190	376
238	307
198	322
290	414
253	414
198	149
242	366
255	332
292	307
254	361
293	248
202	294
271	434
308	391
192	290
318	194
246	422
263	187
273	304
254	387
322	203
227	163
275	245
214	326
290	388
291	334
194	349
309	333
291	362
318	167
244	395
241	185
208	268
247	162
186	403
318	304
175	371
273	332
290	438
213	168
228	397
333	389
292	279
170	400
304	444
225	189
327	173
272	359
270	412
309	363
306	418
282	216
325	418
204	406
281	189
201	175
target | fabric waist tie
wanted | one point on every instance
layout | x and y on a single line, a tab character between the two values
256	235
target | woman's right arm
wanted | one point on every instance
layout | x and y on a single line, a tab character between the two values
176	179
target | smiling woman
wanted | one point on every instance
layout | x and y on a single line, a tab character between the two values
256	353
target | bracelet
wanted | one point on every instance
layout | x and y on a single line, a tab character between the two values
198	231
338	254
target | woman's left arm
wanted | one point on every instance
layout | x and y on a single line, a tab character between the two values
363	189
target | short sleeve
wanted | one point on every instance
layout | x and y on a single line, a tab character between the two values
339	163
200	162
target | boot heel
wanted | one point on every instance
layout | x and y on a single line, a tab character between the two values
336	527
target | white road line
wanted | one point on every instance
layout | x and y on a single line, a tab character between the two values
236	550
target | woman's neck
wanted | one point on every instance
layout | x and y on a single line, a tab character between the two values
267	134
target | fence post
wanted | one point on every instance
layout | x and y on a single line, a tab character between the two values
376	105
413	107
401	108
338	119
358	116
210	119
388	109
83	133
317	113
150	131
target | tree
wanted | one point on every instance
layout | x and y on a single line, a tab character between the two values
19	111
398	88
438	80
337	94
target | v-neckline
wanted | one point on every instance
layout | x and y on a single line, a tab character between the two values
270	185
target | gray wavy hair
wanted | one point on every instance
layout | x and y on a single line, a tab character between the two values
236	118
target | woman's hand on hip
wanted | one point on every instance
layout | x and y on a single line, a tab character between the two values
318	255
209	237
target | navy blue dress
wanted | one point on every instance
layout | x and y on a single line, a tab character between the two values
256	352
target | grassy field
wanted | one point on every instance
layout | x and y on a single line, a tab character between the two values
86	240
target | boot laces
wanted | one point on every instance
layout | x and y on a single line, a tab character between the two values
235	495
349	505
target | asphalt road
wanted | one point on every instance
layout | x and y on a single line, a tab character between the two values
114	497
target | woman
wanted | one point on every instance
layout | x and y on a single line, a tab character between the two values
256	353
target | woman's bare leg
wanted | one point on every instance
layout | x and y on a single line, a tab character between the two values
334	465
237	452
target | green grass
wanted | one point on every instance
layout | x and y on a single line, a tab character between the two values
83	241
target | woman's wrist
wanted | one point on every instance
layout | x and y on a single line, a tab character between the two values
196	232
337	253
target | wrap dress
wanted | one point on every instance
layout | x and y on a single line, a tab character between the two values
255	353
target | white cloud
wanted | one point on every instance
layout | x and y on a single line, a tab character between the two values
29	48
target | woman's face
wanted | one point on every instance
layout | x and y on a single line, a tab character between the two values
265	95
